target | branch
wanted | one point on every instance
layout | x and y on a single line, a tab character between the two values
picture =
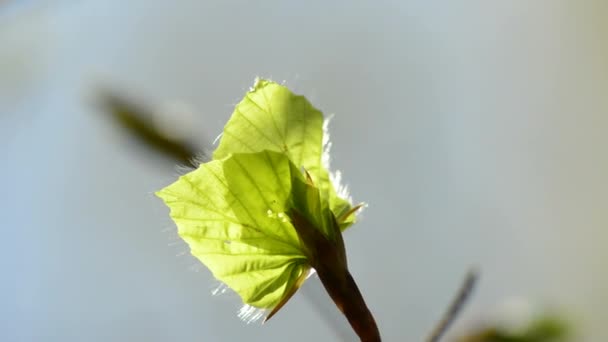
455	307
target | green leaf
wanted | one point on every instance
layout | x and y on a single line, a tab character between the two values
231	213
271	117
237	212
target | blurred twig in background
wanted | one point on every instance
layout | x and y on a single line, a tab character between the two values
141	124
455	307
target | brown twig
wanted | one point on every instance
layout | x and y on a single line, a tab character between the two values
347	297
328	257
455	307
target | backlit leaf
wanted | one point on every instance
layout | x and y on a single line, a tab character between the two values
270	117
237	211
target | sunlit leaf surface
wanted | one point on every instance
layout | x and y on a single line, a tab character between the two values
236	212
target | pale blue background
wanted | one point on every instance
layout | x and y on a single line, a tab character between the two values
476	131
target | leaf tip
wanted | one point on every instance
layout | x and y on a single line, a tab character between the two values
258	83
164	194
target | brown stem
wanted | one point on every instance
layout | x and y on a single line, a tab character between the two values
344	292
328	258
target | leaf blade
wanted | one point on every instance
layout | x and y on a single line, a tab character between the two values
270	117
221	211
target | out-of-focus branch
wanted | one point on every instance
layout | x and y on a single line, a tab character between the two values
455	307
139	122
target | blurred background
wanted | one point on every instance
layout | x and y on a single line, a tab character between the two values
475	130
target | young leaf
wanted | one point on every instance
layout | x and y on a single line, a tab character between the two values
263	212
231	212
271	117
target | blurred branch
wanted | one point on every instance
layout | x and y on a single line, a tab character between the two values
139	123
455	307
